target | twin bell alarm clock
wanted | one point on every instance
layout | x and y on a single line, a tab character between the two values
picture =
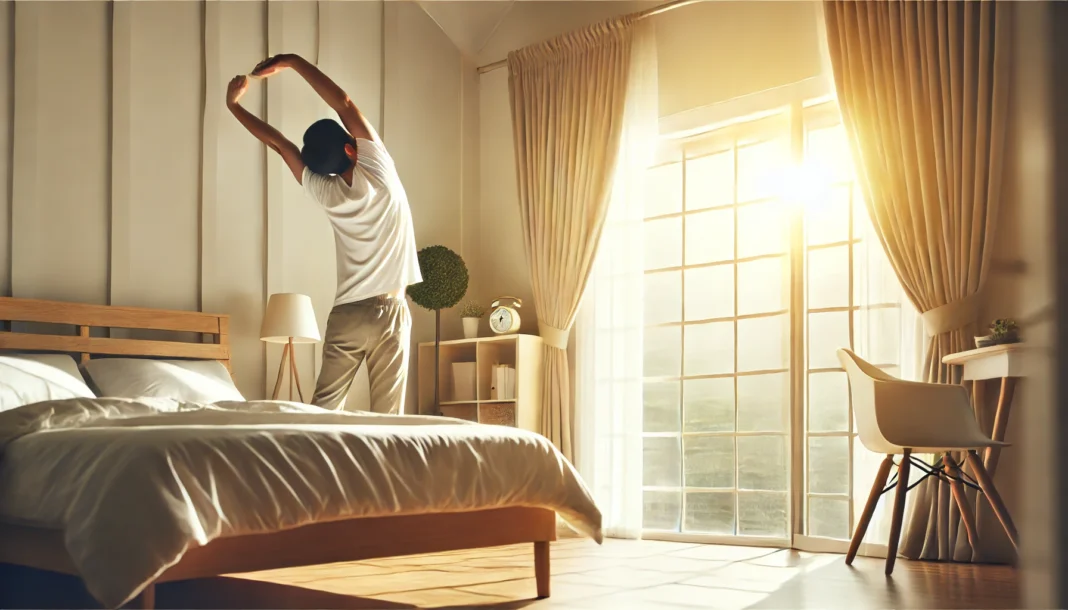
504	317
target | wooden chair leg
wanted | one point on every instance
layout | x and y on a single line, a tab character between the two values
966	514
992	495
869	508
899	511
541	567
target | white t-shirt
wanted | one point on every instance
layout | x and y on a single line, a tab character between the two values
373	236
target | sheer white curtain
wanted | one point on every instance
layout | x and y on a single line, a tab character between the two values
608	385
882	335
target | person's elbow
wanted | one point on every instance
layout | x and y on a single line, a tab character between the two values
347	106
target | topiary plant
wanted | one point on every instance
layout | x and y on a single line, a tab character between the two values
444	279
444	283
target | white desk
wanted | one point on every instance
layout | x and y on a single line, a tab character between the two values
1004	362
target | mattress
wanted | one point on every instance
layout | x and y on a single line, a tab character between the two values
133	484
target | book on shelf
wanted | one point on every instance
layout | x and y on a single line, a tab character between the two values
503	382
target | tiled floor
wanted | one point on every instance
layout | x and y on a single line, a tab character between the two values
626	574
619	574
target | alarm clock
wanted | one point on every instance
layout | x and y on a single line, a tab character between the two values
504	319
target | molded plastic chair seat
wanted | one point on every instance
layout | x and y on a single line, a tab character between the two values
894	415
897	417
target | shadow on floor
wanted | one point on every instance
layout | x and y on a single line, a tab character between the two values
914	584
36	589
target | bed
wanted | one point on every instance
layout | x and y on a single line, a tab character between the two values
425	510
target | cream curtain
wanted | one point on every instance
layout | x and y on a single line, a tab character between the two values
568	96
923	88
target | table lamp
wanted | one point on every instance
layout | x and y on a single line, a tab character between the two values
289	319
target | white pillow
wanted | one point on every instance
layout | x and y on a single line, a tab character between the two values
30	378
203	381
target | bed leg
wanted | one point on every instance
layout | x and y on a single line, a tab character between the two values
147	599
541	567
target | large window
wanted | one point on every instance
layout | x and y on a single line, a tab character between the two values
755	275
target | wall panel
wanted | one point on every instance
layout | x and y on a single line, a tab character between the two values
234	192
7	107
300	243
157	98
60	182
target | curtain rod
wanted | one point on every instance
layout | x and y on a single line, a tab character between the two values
656	10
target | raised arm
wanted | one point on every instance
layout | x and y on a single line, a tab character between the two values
334	96
263	132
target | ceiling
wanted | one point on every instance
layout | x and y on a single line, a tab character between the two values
468	23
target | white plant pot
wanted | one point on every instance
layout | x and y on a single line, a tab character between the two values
471	327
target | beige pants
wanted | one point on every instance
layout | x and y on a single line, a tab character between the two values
376	330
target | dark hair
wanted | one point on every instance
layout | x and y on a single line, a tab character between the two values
324	148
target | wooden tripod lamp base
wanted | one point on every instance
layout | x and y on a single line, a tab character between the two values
289	319
294	376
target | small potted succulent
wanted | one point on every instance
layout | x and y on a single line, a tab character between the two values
471	313
1002	331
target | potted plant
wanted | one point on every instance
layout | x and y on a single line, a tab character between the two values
471	313
444	283
1002	331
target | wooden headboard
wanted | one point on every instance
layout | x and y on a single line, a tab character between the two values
85	317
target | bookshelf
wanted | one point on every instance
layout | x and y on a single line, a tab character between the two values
523	352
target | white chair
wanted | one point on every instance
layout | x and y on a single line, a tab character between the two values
898	417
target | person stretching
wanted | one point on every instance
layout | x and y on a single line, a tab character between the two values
348	172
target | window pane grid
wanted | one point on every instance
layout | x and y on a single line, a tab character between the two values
725	431
751	316
746	259
835	510
741	489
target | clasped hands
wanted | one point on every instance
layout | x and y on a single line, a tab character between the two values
270	66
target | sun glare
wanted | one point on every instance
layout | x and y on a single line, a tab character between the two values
807	185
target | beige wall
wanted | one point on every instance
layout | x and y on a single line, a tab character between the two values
709	55
126	181
1022	286
429	120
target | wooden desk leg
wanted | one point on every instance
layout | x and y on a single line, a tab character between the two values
1001	424
979	399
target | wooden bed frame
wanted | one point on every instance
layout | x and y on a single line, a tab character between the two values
317	543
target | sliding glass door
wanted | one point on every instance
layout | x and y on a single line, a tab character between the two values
750	287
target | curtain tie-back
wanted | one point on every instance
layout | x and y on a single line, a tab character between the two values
951	316
552	336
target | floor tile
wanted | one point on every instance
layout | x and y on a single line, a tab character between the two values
619	575
622	578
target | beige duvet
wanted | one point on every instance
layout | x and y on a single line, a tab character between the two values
134	483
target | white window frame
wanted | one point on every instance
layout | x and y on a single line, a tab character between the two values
795	120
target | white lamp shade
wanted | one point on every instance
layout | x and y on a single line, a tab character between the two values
289	316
